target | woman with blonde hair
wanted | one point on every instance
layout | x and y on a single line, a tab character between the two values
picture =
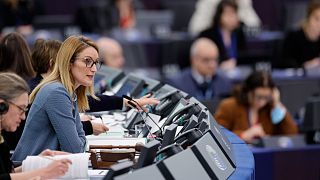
53	121
13	105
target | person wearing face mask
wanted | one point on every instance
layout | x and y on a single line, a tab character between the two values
13	105
255	110
301	48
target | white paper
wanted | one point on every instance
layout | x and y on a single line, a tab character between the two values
77	170
98	140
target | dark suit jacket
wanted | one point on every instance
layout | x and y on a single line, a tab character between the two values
5	162
214	35
234	116
219	85
297	49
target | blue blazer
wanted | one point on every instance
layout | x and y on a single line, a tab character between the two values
218	87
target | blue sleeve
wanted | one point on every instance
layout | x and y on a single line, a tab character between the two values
65	121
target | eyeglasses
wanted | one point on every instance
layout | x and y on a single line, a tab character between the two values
90	62
262	97
21	109
207	60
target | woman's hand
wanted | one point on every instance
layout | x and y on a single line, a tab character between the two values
256	131
49	152
313	63
55	169
276	96
99	128
145	100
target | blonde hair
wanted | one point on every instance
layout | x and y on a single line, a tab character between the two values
69	49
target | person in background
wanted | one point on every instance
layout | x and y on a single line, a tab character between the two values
126	13
53	121
13	105
255	110
301	48
205	10
202	80
15	56
18	14
226	33
111	53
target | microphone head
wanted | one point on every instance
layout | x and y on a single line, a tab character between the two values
127	97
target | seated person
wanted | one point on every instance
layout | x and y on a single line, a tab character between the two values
13	105
227	34
201	80
256	110
205	10
43	59
111	53
53	121
301	48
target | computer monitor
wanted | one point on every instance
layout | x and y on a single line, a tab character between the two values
156	23
132	86
311	120
118	169
181	104
148	154
151	84
106	78
169	135
163	91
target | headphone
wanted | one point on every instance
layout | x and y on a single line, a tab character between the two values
4	107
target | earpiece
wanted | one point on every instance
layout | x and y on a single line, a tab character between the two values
4	107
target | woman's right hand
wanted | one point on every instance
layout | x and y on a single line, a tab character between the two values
56	169
99	128
253	132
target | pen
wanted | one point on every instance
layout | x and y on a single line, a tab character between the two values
102	121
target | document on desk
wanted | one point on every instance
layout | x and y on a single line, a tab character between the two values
98	140
77	170
97	172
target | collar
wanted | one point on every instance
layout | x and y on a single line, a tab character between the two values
199	78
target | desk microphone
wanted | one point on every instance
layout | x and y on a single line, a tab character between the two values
130	101
145	122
